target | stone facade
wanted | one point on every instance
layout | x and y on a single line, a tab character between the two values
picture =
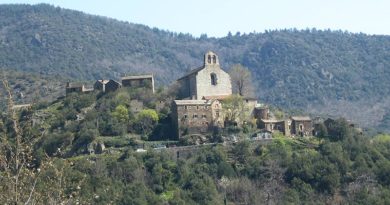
301	126
250	105
271	125
196	116
262	112
205	81
76	88
199	109
139	81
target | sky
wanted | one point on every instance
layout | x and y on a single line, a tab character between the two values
218	17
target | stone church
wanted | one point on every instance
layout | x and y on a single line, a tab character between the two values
205	82
198	108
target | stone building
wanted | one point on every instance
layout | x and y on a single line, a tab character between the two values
107	85
262	112
139	81
76	88
271	125
250	105
196	116
301	126
201	90
205	81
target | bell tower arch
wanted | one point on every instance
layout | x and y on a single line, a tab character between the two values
210	58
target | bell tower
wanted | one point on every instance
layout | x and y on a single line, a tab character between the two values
210	58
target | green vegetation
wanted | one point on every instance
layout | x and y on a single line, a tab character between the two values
325	71
83	148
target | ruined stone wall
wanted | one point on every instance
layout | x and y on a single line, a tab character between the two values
307	128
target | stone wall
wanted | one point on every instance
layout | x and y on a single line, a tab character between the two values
204	86
301	128
196	116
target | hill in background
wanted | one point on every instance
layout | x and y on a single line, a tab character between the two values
332	72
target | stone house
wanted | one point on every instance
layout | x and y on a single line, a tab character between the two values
196	116
206	81
138	81
76	88
301	126
107	85
250	105
271	125
261	112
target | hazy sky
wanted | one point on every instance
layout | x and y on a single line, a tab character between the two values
218	17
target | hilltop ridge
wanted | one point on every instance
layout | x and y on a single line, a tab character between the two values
333	72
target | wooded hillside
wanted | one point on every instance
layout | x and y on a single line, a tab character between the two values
332	72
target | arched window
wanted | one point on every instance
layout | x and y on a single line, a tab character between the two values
300	127
209	59
214	59
213	79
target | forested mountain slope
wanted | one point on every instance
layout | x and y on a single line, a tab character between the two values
332	72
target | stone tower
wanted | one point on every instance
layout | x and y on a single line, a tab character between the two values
207	81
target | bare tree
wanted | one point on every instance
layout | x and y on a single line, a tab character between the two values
242	83
234	109
19	172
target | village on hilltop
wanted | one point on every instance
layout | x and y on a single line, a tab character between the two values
200	106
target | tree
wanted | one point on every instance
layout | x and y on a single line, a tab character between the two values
241	80
23	178
121	113
146	121
234	109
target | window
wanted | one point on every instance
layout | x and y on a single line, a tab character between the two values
214	59
203	116
195	116
185	116
300	127
197	107
213	79
185	107
217	113
209	59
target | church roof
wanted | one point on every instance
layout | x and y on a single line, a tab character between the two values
193	71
